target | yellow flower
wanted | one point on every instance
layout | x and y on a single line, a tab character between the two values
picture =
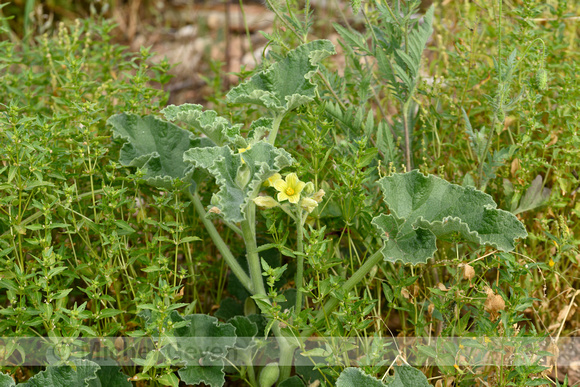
272	179
289	189
265	202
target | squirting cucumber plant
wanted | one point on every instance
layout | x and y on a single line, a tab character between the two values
422	208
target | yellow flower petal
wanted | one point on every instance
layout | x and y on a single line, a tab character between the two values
272	179
280	185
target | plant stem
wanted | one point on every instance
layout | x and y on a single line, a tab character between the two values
286	347
484	155
275	126
220	244
253	259
299	260
348	285
286	353
407	130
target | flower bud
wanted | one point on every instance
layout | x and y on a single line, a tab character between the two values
266	202
309	188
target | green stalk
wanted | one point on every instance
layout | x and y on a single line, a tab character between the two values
484	155
299	279
220	244
331	304
253	259
407	135
275	126
286	353
286	348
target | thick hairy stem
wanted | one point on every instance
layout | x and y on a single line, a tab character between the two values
331	304
286	347
275	126
253	259
220	244
299	261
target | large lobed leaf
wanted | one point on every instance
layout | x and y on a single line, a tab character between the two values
354	377
286	84
216	128
424	208
202	344
6	380
239	181
83	372
157	147
405	376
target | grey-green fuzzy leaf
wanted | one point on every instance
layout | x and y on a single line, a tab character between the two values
216	128
355	377
6	380
286	84
65	376
406	376
201	345
424	208
157	147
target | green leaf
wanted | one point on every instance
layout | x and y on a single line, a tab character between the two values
477	140
110	376
417	40
213	376
157	147
424	208
108	313
286	84
201	345
190	239
216	128
6	380
169	380
387	144
355	377
240	176
229	308
534	197
259	128
124	227
352	37
406	376
65	376
246	330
